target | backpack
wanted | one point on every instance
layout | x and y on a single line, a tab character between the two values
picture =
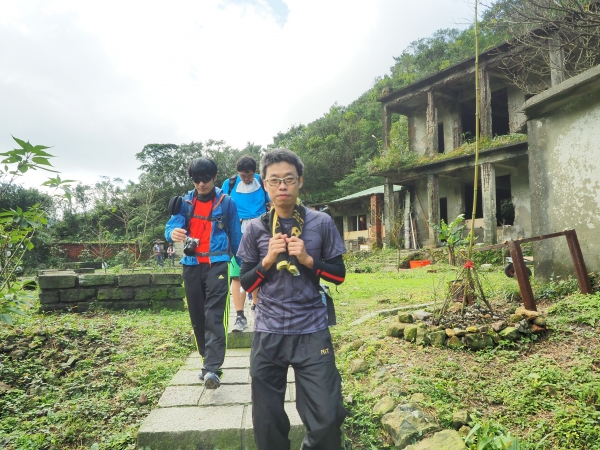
221	220
233	179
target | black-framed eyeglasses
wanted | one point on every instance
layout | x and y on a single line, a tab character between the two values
202	178
275	181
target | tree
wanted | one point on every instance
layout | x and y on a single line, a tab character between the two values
553	40
18	226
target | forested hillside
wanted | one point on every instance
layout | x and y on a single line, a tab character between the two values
336	149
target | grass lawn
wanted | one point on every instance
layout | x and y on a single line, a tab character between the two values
75	381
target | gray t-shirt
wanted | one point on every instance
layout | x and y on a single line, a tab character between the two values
289	304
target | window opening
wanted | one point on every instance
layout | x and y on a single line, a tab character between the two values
500	123
441	137
444	209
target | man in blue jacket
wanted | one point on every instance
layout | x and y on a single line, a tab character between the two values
207	221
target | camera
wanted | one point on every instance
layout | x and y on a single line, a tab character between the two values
189	246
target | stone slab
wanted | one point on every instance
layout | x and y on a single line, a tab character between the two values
130	305
167	278
77	295
176	292
115	294
233	362
151	293
297	430
230	376
57	281
192	428
133	279
51	307
96	280
48	297
240	339
227	394
180	396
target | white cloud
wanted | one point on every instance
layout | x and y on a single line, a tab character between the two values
99	80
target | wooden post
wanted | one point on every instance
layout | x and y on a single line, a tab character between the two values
376	219
488	197
485	99
433	208
389	202
457	129
432	129
582	276
557	60
522	275
387	126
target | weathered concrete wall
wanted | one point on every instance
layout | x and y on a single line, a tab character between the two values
564	171
453	190
418	134
420	211
519	187
71	292
445	116
517	121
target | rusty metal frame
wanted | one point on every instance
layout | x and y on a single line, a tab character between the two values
521	272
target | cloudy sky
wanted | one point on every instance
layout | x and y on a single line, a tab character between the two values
98	80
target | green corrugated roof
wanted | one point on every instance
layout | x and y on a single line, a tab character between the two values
365	193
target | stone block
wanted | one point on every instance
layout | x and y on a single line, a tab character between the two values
151	293
171	305
404	317
240	339
47	297
180	396
396	329
77	295
52	307
227	394
85	270
410	333
454	342
192	428
438	338
96	280
167	278
176	292
296	434
57	281
115	294
509	333
130	305
442	440
134	279
474	341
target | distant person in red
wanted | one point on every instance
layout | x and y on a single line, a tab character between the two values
362	225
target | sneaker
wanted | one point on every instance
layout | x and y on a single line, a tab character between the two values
201	376
211	380
253	307
241	323
249	298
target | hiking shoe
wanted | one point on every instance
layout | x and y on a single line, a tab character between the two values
253	307
201	376
211	380
241	323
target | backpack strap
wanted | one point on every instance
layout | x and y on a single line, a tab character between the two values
232	180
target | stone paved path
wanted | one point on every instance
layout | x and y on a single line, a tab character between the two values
190	417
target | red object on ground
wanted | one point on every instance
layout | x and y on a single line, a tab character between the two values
419	263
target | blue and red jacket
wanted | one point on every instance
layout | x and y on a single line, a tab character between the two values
224	242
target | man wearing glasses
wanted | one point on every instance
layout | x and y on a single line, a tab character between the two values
206	220
286	252
251	200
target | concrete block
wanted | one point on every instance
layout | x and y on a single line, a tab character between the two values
192	428
60	280
115	294
176	292
167	278
52	307
85	270
237	339
130	305
97	280
49	297
170	304
77	295
180	396
297	430
227	394
151	293
134	279
231	362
